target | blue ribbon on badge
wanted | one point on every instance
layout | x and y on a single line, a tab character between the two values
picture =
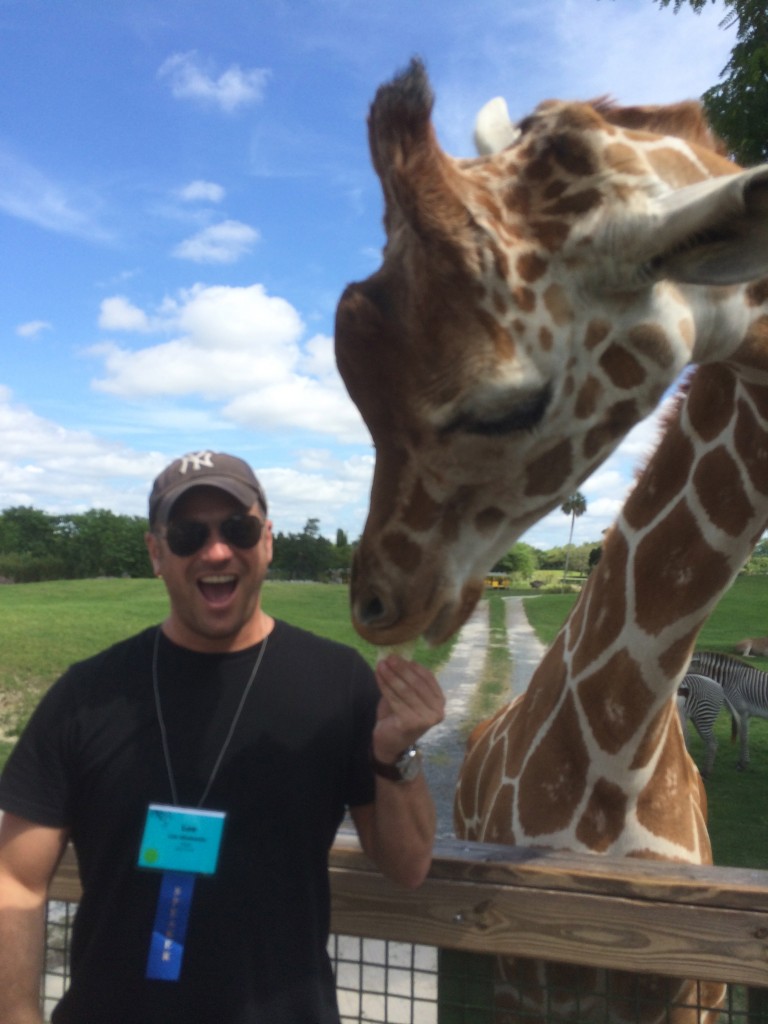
182	842
166	948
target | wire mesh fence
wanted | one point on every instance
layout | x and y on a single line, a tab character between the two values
387	982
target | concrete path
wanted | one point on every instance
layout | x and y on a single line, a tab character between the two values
444	745
525	648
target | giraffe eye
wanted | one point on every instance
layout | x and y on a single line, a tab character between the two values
524	416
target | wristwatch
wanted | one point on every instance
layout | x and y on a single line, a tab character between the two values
405	769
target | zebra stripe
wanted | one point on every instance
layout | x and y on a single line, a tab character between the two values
745	688
700	700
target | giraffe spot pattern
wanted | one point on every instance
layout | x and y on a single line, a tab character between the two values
597	332
588	397
621	367
402	552
615	698
757	292
711	402
547	473
658	805
529	719
674	557
597	624
652	736
652	341
603	820
661	482
619	419
751	440
718	482
674	166
624	158
488	520
422	511
578	203
554	777
530	267
558	305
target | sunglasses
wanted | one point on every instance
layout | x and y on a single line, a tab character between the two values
186	536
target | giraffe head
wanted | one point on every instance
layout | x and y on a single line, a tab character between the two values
533	304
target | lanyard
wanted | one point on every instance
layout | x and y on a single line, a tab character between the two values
228	738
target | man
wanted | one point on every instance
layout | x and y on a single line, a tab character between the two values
201	770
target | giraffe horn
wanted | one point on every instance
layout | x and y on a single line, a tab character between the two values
420	183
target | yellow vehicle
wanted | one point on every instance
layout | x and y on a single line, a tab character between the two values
497	581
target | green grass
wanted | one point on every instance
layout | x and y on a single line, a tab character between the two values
47	626
738	811
493	688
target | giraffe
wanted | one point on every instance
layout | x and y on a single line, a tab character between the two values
533	304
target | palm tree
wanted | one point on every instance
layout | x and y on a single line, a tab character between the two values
574	505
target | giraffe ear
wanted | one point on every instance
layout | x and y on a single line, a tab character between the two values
714	232
421	184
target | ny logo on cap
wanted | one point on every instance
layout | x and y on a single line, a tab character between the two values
196	461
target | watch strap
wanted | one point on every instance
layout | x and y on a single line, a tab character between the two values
394	772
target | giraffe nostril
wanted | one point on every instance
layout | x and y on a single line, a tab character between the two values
371	611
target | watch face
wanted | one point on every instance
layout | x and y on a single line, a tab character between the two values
409	764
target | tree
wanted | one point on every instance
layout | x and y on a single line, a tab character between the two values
303	556
737	108
27	531
575	505
521	560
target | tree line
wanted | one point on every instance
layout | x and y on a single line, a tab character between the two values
37	545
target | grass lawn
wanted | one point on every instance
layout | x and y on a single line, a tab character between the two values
47	626
738	810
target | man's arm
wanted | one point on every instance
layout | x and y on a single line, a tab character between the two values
29	854
397	831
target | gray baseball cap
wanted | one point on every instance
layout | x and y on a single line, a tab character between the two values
198	469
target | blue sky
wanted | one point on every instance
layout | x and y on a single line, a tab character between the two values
185	190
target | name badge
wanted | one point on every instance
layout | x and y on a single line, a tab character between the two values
181	839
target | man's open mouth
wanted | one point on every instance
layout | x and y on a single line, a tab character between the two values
217	589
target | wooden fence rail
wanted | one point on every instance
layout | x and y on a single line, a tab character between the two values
709	923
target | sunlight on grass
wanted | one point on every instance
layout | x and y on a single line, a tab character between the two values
48	626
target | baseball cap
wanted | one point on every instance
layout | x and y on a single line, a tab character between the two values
198	469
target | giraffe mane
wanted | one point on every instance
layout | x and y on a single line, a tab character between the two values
668	415
686	120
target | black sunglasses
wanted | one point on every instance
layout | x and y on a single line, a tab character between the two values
186	536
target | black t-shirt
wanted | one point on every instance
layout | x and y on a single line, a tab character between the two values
91	760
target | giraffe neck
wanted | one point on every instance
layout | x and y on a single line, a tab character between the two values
595	739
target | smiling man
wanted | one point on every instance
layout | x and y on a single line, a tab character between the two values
202	769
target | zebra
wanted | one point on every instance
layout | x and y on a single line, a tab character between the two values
745	689
700	700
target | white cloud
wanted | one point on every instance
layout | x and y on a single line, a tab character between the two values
220	243
326	490
233	88
49	466
242	348
33	328
27	193
202	191
59	470
118	314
